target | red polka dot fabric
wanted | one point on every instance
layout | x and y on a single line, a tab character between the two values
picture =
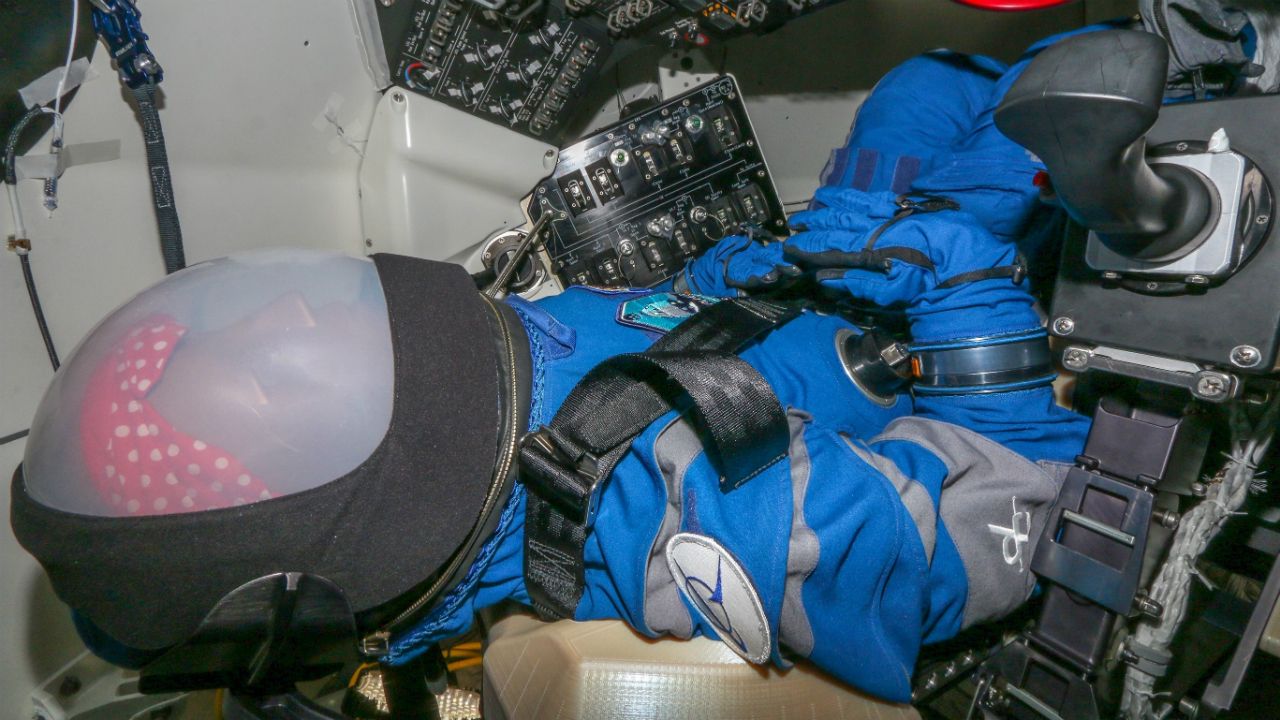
140	464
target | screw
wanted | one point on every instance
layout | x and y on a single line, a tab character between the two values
549	155
1166	518
1245	356
1196	280
1128	656
1181	147
387	3
1064	325
1111	276
760	173
1189	708
397	97
1210	386
1153	286
1147	606
368	242
1263	219
1199	489
751	143
1076	358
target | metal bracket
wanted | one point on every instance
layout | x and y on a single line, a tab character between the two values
1215	386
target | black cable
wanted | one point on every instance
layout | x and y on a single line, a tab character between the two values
161	186
14	436
39	312
11	177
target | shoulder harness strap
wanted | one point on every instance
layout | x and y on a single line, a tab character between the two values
565	464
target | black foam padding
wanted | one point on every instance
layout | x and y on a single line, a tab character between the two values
375	532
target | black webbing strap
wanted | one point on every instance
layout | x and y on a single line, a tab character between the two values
161	186
832	264
1016	272
564	464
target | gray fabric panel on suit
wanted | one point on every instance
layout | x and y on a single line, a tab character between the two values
794	630
914	495
994	506
675	449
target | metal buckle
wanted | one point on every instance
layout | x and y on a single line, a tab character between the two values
925	203
560	473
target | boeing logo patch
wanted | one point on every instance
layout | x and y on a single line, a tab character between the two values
713	581
1014	536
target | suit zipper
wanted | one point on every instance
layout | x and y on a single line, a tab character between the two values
378	643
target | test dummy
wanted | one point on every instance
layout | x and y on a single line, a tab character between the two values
354	419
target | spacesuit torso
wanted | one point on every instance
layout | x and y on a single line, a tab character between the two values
836	553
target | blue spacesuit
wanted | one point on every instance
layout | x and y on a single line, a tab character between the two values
891	522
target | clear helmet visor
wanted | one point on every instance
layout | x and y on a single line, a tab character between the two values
231	382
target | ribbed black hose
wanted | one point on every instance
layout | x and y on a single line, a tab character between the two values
161	187
11	144
39	311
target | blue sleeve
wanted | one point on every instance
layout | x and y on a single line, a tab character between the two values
1029	422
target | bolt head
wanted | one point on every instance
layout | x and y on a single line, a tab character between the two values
1196	280
1245	356
1064	325
1210	386
1076	358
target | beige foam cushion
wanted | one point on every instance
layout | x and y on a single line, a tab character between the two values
602	670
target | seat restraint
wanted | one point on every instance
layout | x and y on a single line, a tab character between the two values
694	368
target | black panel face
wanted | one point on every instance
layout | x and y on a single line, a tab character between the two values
642	197
455	52
1204	326
524	64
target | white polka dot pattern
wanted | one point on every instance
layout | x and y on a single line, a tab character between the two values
197	475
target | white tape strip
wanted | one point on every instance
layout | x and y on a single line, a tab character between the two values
47	165
44	89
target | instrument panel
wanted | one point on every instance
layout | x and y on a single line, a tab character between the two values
632	202
523	64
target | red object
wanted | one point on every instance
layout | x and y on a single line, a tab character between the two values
1040	179
140	463
1013	5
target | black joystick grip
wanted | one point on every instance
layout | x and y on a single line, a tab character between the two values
1084	106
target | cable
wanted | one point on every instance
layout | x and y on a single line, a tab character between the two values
461	664
11	144
39	312
20	243
66	66
355	676
1198	527
14	436
55	142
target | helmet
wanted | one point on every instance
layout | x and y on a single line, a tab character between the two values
272	412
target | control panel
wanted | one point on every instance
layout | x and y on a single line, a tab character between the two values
524	63
631	203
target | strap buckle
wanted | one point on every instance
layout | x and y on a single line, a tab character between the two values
919	202
560	472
